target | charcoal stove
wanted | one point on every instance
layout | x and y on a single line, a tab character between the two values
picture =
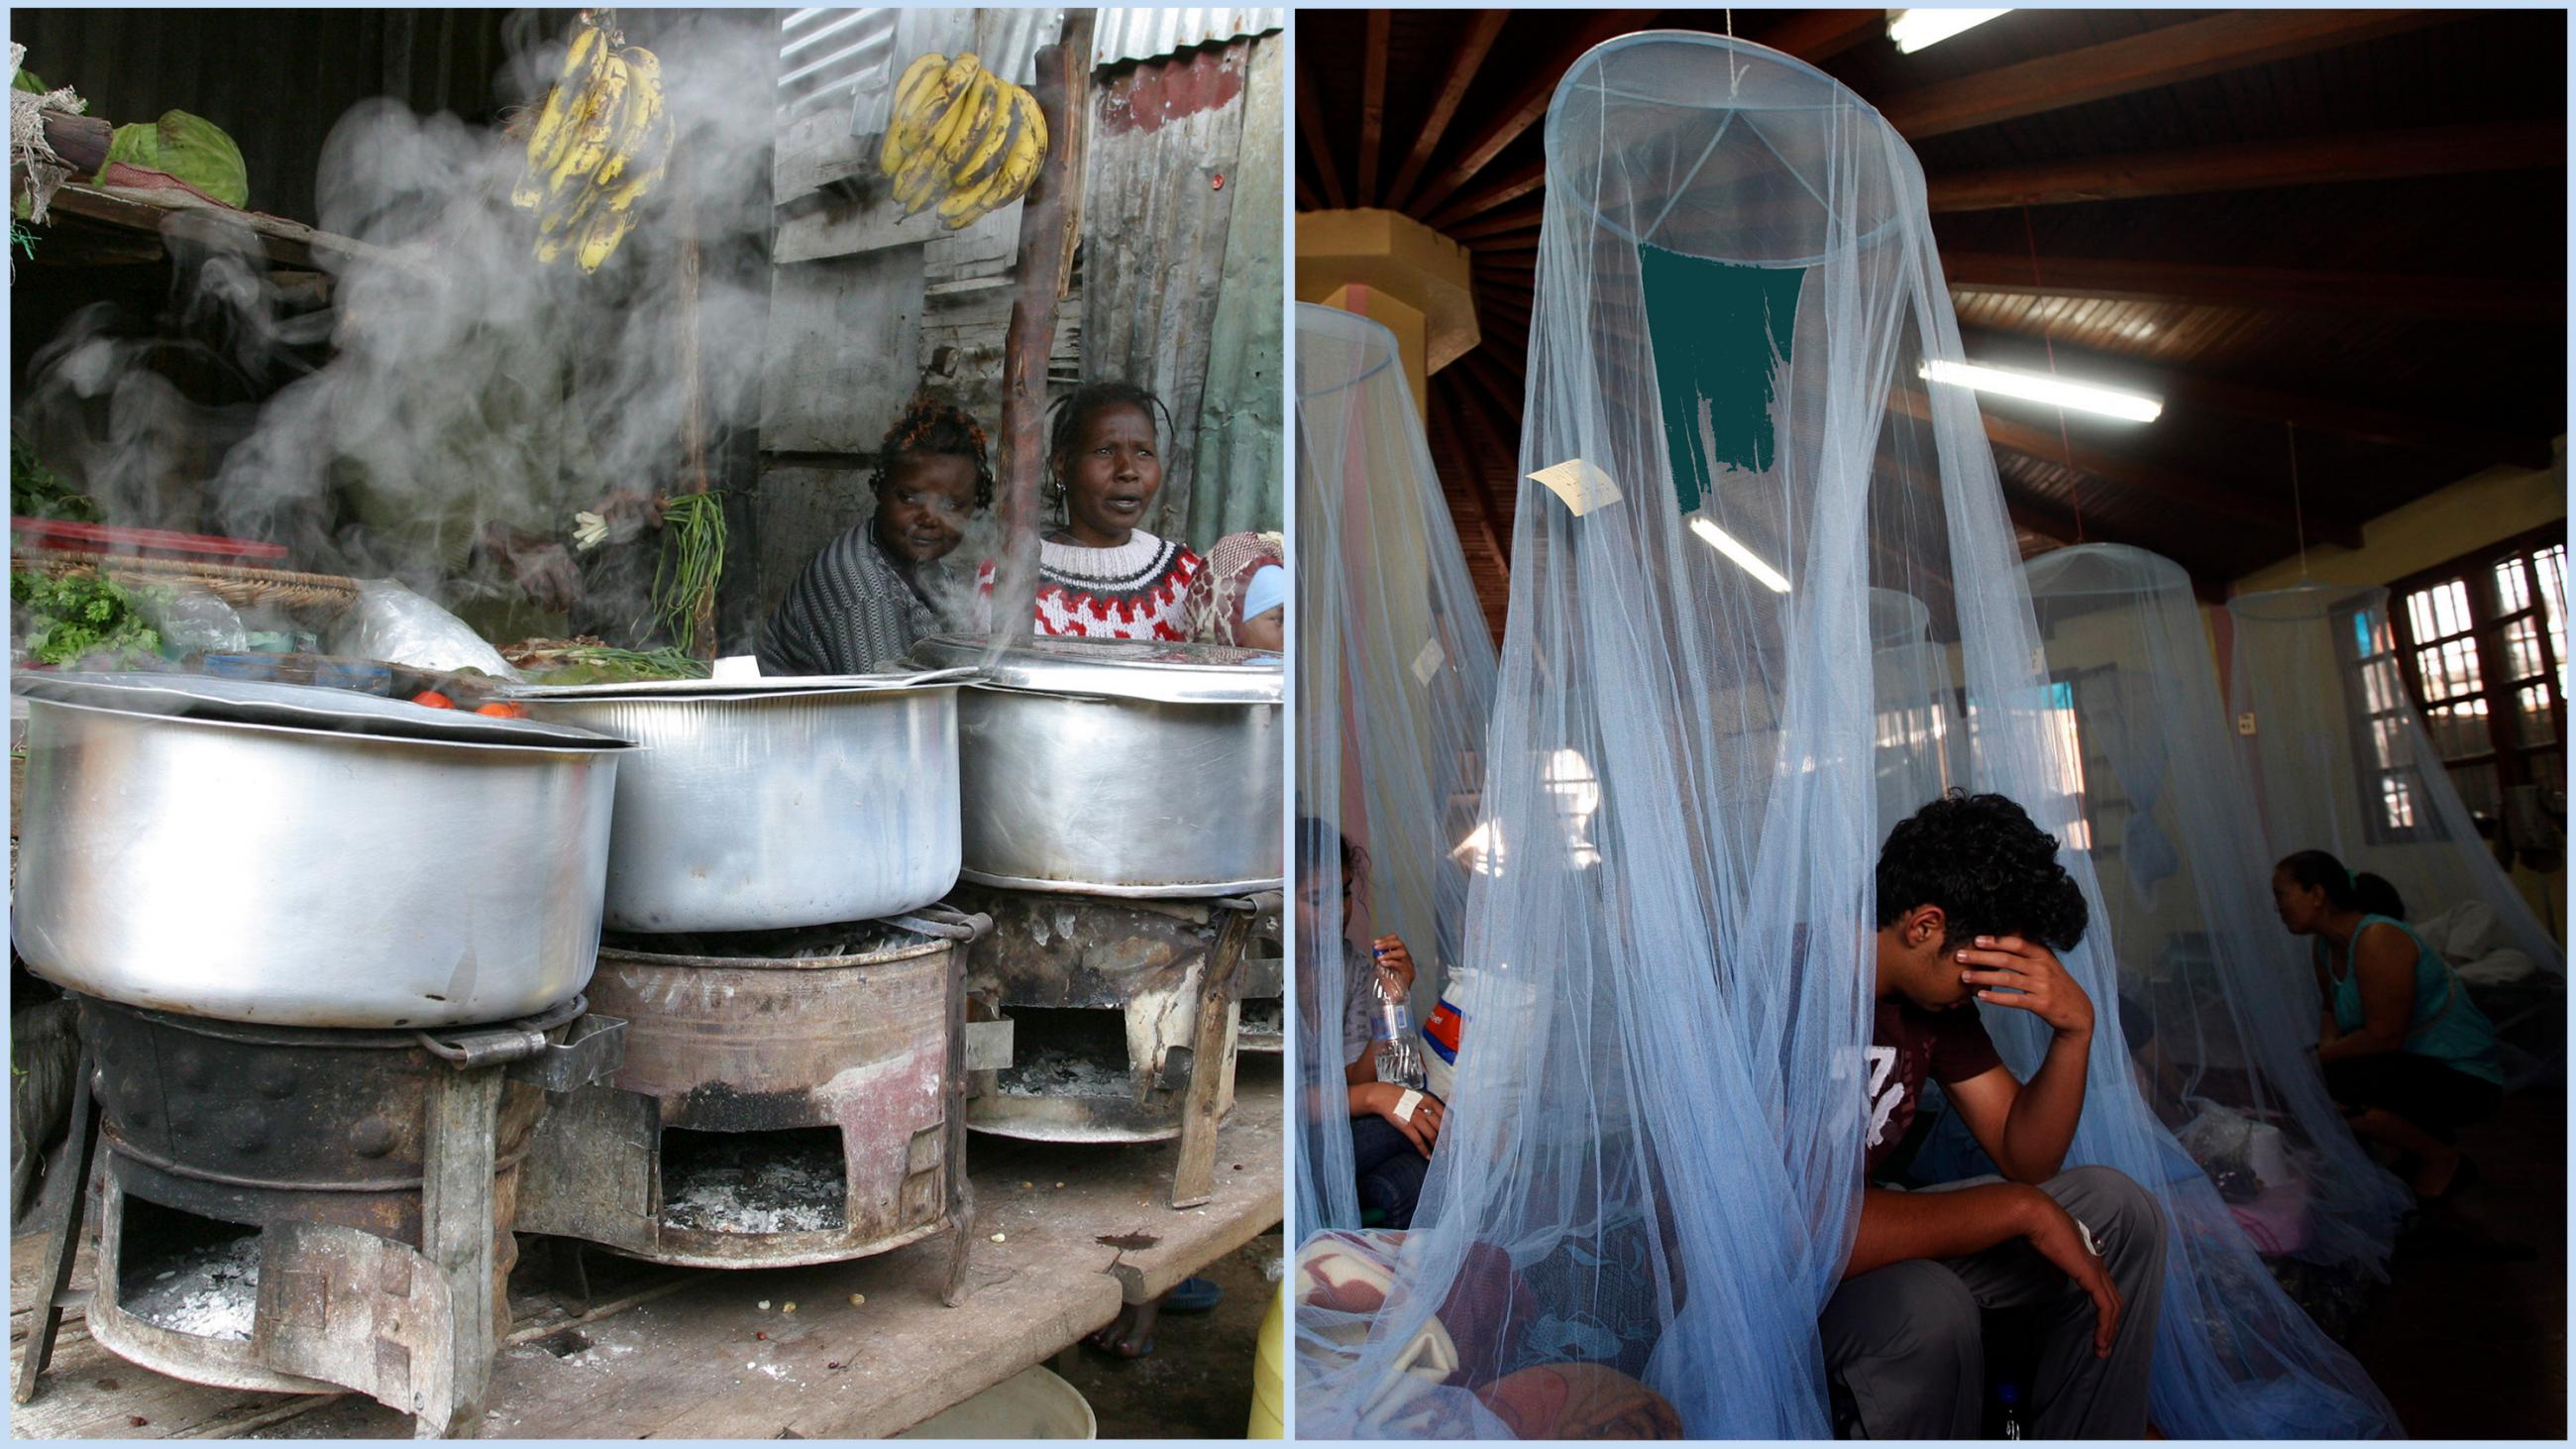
787	1098
305	1209
1122	1014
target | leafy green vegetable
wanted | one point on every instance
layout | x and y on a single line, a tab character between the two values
191	148
36	491
693	547
27	81
603	665
78	617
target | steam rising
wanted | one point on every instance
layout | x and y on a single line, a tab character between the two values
472	388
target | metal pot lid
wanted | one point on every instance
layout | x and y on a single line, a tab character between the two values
765	687
1148	669
298	706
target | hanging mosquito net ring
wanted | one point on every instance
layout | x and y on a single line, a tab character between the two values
1670	186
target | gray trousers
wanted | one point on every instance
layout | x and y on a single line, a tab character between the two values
1907	1342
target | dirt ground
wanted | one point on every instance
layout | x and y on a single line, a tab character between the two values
1197	1383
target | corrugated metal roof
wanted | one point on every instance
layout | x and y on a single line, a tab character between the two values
824	56
852	57
1145	34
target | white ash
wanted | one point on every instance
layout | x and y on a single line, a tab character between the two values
1055	1072
210	1291
1263	1018
743	1184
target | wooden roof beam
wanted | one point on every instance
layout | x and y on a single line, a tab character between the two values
1524	219
1463	65
2370	424
1319	146
1816	36
1380	25
1511	186
2169	484
2208	284
2167	55
1483	525
1485	441
2256	165
1526	106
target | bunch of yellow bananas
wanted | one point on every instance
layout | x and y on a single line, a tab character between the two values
599	144
962	136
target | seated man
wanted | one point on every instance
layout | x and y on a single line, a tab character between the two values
1970	901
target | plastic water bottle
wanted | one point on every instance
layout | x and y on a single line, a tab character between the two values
1398	1060
2008	1394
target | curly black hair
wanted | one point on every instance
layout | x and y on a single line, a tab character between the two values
1315	838
931	428
2346	890
1076	408
1987	866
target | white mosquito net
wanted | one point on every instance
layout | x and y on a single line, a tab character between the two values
2218	1001
1650	1169
1393	689
2342	763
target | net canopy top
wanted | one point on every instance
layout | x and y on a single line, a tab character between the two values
2306	601
1359	350
1728	151
2088	569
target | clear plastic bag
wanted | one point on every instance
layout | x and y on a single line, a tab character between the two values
196	623
392	624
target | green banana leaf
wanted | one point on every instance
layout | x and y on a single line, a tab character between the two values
191	148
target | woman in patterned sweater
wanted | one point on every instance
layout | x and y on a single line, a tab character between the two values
1101	575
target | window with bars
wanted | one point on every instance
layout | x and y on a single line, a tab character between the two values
2394	808
2481	645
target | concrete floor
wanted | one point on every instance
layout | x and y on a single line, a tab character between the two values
2469	1342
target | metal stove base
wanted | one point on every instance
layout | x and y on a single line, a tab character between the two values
338	1307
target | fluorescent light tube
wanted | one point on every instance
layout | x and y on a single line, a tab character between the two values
2040	387
1912	30
1724	542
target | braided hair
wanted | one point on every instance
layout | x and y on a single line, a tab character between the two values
931	428
1077	408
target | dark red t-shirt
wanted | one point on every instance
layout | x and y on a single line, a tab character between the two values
1908	1044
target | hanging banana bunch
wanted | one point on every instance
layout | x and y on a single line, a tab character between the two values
601	141
962	137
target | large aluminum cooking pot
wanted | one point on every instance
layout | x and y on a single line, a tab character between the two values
307	857
771	803
1119	767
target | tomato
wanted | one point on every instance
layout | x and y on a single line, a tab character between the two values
503	709
433	699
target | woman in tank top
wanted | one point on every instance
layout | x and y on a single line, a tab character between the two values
2405	1052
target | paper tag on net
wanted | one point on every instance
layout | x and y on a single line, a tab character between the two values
1581	486
1428	662
2245	723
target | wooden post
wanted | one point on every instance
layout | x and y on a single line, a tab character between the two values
1050	229
1212	1047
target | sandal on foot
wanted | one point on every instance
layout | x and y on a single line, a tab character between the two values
1193	1295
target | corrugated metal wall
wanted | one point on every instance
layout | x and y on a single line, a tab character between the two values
1159	220
1151	33
275	80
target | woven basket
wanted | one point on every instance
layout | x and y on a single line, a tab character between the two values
319	596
